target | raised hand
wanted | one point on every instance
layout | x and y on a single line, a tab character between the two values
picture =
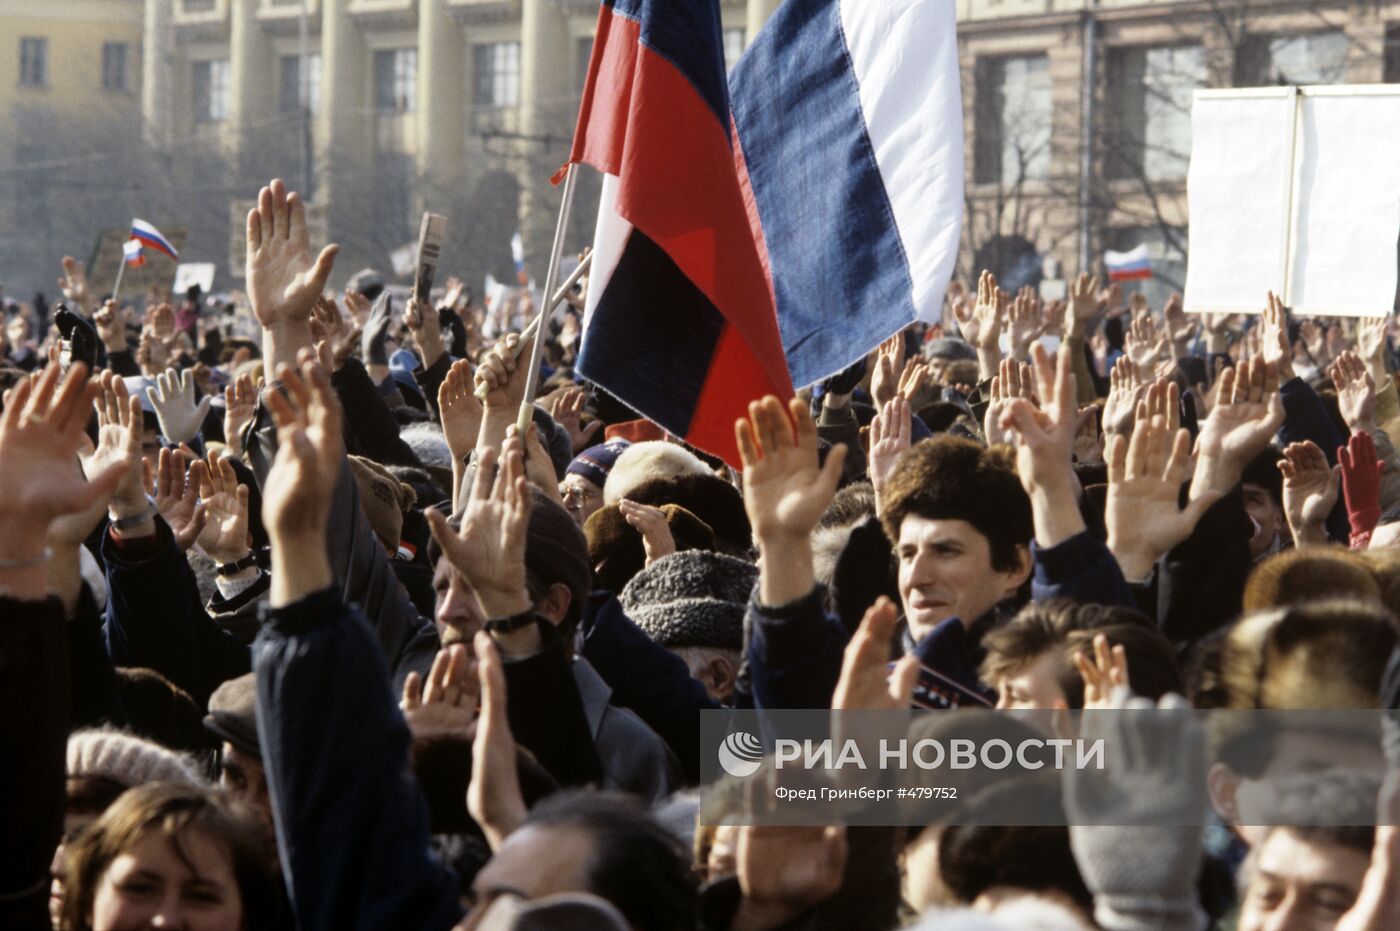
988	313
1310	488
494	798
376	331
786	490
651	523
173	398
1044	438
891	433
1083	306
177	497
1179	327
1356	392
358	307
283	278
867	683
424	323
1273	337
489	549
224	538
240	405
1361	484
329	324
1247	413
41	431
152	355
1145	346
1125	389
119	442
1370	344
446	701
111	327
74	285
885	375
916	384
1025	322
1105	675
566	407
1014	381
501	376
459	409
1144	485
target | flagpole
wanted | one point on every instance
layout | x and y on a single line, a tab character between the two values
527	403
117	285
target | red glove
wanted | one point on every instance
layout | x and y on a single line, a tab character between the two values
1361	486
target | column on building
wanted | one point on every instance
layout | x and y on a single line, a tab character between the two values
1060	224
759	11
252	87
157	101
547	108
344	132
441	77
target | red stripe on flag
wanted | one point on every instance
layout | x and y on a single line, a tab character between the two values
734	380
643	121
1141	274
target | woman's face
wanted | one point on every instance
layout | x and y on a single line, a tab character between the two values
151	885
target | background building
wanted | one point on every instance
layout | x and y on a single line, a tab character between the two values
1077	118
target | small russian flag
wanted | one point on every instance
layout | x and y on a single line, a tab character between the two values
151	238
1128	266
517	252
133	253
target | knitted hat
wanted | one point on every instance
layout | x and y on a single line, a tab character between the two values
233	714
692	599
125	759
616	550
595	462
710	498
383	497
366	281
949	349
555	548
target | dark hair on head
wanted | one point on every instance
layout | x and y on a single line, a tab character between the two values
950	478
637	865
1069	627
92	795
160	710
981	853
852	504
172	811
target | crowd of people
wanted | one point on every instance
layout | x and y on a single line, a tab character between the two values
299	630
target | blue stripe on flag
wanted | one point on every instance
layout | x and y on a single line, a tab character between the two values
688	35
652	335
840	272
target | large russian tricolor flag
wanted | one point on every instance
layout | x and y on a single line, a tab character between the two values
151	238
849	118
680	321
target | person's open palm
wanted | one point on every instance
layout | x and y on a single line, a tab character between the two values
786	489
1310	486
310	451
225	534
1248	413
283	278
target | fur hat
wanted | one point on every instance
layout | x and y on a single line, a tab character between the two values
692	599
383	497
1313	573
710	498
616	550
595	462
125	759
948	478
233	714
642	462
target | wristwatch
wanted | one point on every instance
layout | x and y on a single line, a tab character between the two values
135	520
233	568
505	625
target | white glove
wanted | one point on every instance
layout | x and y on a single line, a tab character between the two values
173	398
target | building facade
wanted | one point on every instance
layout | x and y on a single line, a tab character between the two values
1077	117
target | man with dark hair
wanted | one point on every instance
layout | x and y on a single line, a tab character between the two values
1030	659
1262	485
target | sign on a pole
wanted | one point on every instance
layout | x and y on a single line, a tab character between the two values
1295	190
194	273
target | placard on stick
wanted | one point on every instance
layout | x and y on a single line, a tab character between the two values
430	235
1295	190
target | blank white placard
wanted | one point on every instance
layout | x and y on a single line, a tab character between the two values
1238	189
1348	210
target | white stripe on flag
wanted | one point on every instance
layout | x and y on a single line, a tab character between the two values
609	239
905	57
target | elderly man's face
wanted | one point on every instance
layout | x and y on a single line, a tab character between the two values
457	613
581	497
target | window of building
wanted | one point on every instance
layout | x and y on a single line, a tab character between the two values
1311	58
33	62
1012	120
497	82
211	91
1150	94
197	6
114	66
1391	74
733	46
396	79
296	86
